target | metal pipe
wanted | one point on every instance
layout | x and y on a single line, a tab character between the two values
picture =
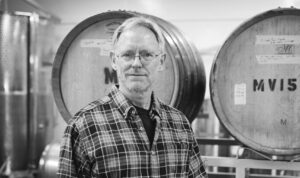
33	66
42	12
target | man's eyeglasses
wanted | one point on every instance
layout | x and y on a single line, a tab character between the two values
143	56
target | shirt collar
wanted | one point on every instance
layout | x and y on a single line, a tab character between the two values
126	107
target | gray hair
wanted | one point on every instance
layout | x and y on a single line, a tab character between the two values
143	22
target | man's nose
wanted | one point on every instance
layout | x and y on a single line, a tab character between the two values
137	61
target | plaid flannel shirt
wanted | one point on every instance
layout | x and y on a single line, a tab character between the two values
107	139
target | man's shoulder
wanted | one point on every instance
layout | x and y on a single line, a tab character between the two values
97	105
95	109
176	120
170	109
173	114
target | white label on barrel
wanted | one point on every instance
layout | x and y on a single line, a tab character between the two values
240	94
105	45
279	49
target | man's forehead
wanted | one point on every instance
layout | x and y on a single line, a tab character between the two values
137	31
137	38
137	47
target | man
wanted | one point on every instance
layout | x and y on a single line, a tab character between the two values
130	133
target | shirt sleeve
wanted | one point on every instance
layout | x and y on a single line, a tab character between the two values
196	165
73	160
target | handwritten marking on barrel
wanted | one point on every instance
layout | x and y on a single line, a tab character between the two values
275	84
240	94
285	49
277	39
105	45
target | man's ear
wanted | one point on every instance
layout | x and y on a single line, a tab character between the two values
113	60
162	59
161	62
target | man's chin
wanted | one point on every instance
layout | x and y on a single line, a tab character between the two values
138	88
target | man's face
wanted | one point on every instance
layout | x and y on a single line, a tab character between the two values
135	72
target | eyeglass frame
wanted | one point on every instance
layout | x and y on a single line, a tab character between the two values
140	57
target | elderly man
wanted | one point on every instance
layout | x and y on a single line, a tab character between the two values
129	132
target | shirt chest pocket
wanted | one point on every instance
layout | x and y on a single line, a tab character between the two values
177	149
121	160
118	151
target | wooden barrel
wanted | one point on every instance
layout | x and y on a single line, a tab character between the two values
82	70
255	84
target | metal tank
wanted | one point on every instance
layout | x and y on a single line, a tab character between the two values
13	91
26	102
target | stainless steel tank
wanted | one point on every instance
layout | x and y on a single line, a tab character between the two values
13	91
26	102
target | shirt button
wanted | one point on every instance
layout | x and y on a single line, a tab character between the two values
141	129
153	152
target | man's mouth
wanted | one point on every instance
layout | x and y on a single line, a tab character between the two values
137	75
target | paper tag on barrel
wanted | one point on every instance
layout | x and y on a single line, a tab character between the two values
277	49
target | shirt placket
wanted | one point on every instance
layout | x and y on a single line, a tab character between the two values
142	131
143	135
154	157
152	152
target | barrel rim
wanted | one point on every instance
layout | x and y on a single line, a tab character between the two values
195	74
213	77
185	66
